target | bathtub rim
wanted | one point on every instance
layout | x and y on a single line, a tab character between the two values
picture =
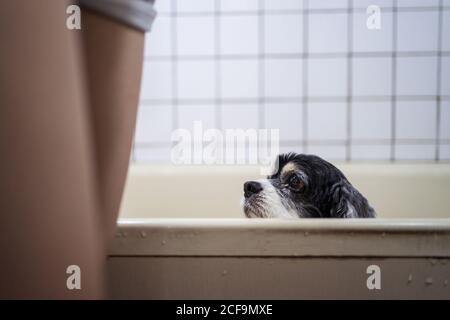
354	224
283	238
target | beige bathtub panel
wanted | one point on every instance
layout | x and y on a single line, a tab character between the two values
395	190
275	278
279	259
271	237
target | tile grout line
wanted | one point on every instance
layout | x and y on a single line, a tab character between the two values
394	81
174	60
349	80
261	66
218	67
288	56
438	82
308	11
148	103
330	142
305	87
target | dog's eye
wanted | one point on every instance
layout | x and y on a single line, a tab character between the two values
295	183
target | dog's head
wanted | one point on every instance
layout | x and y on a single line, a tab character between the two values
304	186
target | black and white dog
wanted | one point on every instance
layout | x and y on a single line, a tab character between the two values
305	186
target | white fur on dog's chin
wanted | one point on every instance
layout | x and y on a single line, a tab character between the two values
272	204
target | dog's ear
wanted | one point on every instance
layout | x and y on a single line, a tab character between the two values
347	202
339	202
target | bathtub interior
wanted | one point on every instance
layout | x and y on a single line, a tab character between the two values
395	190
181	236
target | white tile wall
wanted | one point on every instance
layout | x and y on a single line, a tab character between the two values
240	116
154	124
415	152
328	32
414	30
239	78
195	6
196	79
370	152
327	121
372	77
444	151
417	3
327	77
195	35
288	148
416	120
383	4
287	117
159	42
445	76
372	40
239	5
251	64
276	26
332	153
371	120
163	6
445	121
416	75
152	155
283	4
188	114
157	80
327	4
246	27
283	78
446	31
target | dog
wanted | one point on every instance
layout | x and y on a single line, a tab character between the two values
304	186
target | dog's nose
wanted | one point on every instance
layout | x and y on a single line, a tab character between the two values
251	187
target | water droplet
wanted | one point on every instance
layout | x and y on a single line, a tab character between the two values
118	235
383	234
429	281
143	234
163	242
124	234
433	262
224	272
445	283
306	233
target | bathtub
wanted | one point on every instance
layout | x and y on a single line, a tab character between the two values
399	190
168	246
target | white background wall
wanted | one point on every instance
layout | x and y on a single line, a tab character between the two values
313	70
